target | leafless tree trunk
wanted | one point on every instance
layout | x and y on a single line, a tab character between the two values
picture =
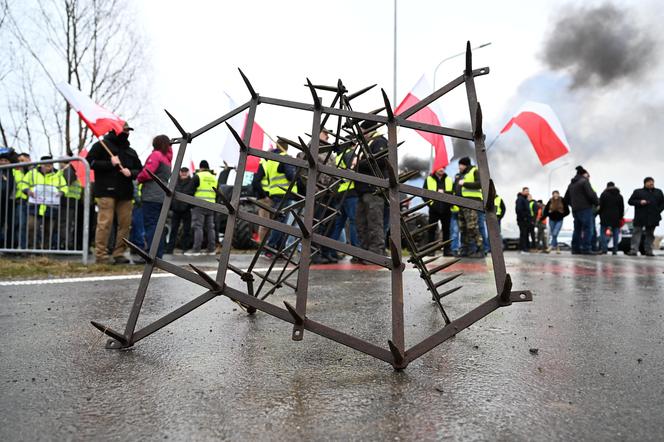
91	44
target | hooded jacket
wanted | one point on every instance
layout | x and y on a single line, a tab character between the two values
611	207
522	209
159	164
109	181
580	194
649	214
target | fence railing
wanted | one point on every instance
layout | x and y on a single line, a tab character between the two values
44	209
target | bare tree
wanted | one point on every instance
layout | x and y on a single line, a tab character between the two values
90	44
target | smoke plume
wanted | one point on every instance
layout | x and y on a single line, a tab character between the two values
598	44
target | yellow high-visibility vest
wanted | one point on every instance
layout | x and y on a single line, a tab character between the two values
20	184
206	184
496	202
278	181
55	179
431	184
470	177
74	190
345	184
265	182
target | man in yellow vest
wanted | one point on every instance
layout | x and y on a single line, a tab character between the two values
44	187
202	219
468	186
279	177
440	212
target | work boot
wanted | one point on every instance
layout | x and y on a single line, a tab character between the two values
120	260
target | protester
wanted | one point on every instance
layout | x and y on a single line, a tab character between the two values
648	205
181	214
532	208
137	231
555	210
158	164
439	212
523	218
7	198
540	223
611	212
500	208
113	190
370	223
581	197
71	209
202	219
346	200
21	202
468	186
260	187
44	187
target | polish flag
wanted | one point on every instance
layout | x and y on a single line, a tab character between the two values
231	150
544	130
99	120
431	114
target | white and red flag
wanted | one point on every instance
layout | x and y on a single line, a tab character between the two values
231	150
543	129
431	114
99	120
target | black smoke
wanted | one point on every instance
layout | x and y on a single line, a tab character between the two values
599	45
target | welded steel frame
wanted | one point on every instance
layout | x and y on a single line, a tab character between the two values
396	352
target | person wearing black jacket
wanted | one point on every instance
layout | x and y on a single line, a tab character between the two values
181	213
113	190
648	205
523	218
369	215
611	211
556	210
581	197
439	212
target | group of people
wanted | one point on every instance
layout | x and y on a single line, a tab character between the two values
40	207
129	199
582	201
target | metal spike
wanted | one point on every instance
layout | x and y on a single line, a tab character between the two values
243	147
448	279
214	285
159	182
300	223
360	92
395	254
140	252
478	135
324	88
299	320
507	289
314	95
110	332
396	353
391	175
443	266
450	291
388	106
307	153
469	59
186	135
253	93
224	201
341	87
423	229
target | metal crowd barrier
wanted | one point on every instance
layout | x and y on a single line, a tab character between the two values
45	220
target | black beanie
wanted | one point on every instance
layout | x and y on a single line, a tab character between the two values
465	161
580	170
204	165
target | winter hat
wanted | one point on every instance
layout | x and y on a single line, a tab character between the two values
610	184
465	161
204	165
580	170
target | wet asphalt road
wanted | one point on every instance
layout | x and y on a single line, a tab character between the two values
218	374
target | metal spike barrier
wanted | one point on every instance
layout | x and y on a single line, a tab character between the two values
311	216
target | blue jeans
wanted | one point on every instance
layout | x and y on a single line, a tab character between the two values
583	230
454	231
604	240
348	210
277	239
137	232
21	223
555	230
481	220
151	211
